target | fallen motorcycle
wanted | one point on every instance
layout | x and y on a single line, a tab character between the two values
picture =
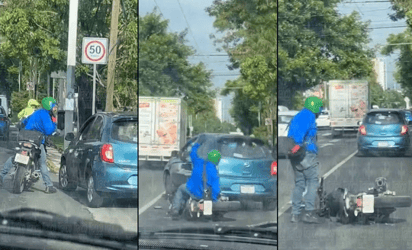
374	205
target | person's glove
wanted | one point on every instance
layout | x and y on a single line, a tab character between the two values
295	149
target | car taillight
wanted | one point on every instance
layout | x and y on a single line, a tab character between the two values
107	153
404	130
274	168
362	130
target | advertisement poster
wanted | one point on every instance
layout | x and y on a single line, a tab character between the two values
168	115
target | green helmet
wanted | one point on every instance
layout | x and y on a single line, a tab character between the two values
314	104
214	156
48	103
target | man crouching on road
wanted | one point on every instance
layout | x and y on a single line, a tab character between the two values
194	186
306	165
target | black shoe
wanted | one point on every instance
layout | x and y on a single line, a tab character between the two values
310	217
51	190
174	214
294	218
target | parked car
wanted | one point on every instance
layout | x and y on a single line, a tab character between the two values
102	158
247	170
323	120
408	115
384	130
284	119
4	124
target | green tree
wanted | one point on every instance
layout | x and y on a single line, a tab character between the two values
317	44
164	69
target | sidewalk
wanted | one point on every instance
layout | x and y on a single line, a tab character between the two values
54	157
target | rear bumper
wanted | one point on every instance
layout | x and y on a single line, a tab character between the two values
394	143
114	181
264	189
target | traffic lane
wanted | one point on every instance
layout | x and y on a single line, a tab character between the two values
122	212
331	152
150	183
357	174
156	218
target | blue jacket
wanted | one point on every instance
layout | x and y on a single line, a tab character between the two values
195	182
40	121
303	130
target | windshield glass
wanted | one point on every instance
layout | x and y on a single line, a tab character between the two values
383	118
191	87
77	136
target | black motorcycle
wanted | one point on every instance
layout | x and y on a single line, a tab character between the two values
26	160
374	205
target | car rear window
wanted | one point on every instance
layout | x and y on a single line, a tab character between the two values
125	131
383	118
285	118
242	148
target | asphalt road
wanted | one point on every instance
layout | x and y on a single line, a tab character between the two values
357	174
154	206
122	212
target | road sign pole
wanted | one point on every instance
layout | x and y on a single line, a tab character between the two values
94	89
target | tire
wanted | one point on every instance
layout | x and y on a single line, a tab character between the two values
389	201
269	205
64	182
93	199
169	187
19	183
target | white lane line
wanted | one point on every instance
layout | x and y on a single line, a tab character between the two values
336	140
327	144
145	207
327	134
287	205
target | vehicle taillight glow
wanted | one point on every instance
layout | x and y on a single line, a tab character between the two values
274	168
404	130
107	153
359	202
362	130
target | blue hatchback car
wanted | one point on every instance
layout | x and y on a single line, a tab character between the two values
384	130
247	169
102	158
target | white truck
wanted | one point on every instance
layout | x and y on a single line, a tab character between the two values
348	104
162	127
5	104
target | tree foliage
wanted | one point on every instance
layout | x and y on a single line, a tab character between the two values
317	44
164	69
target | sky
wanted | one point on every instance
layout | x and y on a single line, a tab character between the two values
191	14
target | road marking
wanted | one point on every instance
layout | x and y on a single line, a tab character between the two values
327	134
336	140
287	205
327	144
145	207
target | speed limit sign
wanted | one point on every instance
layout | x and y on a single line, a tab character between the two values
94	50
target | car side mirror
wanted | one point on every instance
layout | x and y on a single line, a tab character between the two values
175	153
69	137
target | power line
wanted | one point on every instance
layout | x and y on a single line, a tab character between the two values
163	16
188	25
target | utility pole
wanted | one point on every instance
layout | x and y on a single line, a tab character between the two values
112	55
71	63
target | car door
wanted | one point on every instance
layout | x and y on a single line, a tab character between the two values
78	148
90	145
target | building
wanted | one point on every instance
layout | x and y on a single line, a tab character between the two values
379	67
219	108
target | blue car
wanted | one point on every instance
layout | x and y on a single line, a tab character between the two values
4	124
384	130
102	158
247	170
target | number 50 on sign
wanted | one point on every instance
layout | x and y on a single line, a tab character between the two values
94	50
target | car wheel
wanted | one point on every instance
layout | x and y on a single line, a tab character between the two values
269	205
64	182
168	184
93	198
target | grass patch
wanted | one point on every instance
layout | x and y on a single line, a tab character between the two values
53	168
58	142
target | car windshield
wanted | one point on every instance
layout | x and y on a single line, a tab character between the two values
125	131
383	118
285	119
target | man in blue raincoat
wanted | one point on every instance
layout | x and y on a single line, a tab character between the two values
40	120
194	186
303	131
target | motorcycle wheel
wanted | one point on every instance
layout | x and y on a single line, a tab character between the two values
19	183
389	201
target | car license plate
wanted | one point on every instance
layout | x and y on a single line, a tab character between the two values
23	159
207	210
368	204
383	144
247	189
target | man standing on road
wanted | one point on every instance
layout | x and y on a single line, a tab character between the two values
306	165
194	186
